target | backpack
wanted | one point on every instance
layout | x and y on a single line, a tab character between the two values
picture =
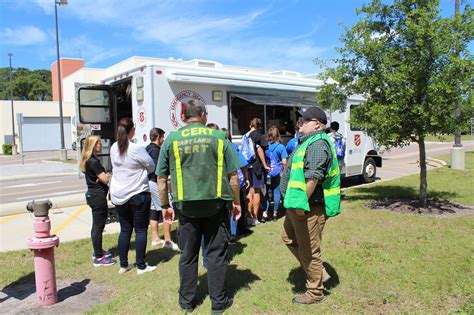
340	147
248	148
273	162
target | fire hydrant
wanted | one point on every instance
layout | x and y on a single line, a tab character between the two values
43	244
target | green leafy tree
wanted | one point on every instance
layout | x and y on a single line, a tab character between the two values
412	66
27	85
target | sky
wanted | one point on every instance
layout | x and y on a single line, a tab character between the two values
268	34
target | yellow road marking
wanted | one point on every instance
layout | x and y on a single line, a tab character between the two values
38	190
69	220
8	219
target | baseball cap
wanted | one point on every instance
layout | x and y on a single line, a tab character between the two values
313	112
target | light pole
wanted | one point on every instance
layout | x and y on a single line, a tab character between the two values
14	151
457	151
63	151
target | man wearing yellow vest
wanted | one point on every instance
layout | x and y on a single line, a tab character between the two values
203	167
311	187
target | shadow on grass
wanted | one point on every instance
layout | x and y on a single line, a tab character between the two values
390	191
235	249
19	289
297	278
73	289
236	280
25	286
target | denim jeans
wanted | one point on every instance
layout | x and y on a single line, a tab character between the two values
97	201
134	214
274	190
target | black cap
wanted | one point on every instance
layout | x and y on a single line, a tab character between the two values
313	112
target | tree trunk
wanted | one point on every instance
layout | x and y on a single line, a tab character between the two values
423	182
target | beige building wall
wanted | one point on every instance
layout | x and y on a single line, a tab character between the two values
84	75
30	109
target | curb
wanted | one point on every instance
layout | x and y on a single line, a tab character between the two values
58	202
29	176
436	162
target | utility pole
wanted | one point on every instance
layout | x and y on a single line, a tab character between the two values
14	151
457	151
63	151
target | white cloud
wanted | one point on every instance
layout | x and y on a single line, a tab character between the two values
92	52
190	30
22	36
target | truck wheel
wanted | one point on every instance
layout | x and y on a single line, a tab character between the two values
369	171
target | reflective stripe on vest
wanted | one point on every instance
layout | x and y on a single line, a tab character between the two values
220	166
179	172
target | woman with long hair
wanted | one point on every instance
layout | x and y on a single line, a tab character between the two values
130	194
96	197
276	152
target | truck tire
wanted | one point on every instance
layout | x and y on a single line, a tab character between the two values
369	171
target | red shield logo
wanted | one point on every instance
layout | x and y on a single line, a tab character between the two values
357	140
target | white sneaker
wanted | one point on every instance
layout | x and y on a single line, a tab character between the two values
156	243
172	246
125	269
147	269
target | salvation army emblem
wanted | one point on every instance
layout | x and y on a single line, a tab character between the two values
357	140
141	117
176	108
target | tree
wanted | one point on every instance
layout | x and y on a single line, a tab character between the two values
412	66
27	85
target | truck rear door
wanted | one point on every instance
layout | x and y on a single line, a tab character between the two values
96	111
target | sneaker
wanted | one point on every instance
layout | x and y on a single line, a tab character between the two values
264	215
104	261
171	245
275	216
156	243
125	269
147	269
105	253
232	239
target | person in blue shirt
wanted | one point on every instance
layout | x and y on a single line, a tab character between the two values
293	143
279	153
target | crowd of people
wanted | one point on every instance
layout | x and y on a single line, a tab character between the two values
216	190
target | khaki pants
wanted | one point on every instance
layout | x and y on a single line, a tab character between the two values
302	235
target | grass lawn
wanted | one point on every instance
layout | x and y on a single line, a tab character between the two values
381	262
447	138
468	159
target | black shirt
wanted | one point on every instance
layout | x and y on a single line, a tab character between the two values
94	168
154	152
259	141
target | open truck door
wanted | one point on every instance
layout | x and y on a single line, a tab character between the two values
96	115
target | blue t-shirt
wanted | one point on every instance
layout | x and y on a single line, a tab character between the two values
243	160
291	145
278	151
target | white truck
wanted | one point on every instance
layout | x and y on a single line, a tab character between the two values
152	94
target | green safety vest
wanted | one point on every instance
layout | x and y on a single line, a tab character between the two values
197	164
296	197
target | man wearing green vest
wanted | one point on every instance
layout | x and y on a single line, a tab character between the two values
203	167
311	188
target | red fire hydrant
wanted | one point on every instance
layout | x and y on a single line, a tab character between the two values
43	244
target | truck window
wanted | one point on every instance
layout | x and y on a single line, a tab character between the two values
94	106
353	128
